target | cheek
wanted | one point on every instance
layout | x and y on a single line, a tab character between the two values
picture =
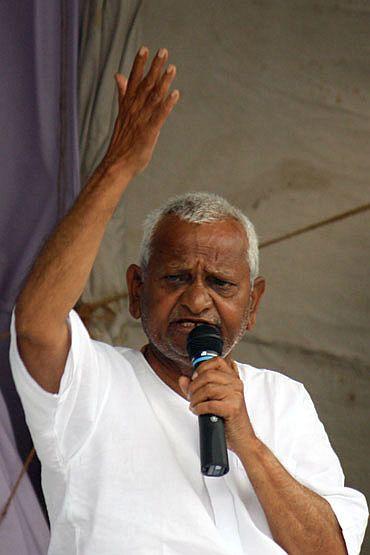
234	316
157	304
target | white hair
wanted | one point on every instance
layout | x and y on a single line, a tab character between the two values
200	208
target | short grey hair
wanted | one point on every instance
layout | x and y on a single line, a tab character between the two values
199	208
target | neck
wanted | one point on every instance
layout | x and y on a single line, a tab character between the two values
168	371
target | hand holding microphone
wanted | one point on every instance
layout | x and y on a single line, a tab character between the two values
204	343
217	390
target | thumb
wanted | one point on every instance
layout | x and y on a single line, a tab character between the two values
184	384
121	84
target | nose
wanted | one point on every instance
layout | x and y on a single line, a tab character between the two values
196	298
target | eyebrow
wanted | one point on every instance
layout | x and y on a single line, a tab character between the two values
219	272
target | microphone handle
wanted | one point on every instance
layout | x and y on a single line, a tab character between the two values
213	451
212	442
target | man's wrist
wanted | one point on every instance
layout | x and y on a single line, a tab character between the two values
116	171
250	449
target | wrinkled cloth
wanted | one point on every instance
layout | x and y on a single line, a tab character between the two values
24	530
120	459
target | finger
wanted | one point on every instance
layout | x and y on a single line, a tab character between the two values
121	85
211	392
210	407
164	109
215	363
155	69
184	384
212	376
137	71
165	82
159	91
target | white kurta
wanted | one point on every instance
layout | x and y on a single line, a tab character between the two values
120	459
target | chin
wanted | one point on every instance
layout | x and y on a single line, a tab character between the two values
172	350
174	353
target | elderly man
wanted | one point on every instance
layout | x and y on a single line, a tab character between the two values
112	426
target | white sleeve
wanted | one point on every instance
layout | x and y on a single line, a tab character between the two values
318	468
61	423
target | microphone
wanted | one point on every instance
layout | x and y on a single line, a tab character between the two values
205	342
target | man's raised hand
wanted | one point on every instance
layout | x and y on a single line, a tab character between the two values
143	106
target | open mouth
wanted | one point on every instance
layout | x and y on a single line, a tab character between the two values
187	325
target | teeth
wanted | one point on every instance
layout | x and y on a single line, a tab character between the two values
187	324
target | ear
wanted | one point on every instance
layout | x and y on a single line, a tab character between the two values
134	279
256	295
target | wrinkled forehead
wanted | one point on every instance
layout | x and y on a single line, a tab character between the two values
177	241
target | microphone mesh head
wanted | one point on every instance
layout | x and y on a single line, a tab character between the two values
204	338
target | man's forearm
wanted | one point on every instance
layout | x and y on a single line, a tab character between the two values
61	270
300	521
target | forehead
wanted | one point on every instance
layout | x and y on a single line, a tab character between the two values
177	242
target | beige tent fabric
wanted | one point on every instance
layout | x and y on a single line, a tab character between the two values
110	35
274	115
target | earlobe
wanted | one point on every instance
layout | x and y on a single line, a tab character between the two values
134	284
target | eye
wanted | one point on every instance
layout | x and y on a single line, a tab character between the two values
221	283
175	278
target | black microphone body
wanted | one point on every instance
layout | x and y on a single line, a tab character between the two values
205	342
